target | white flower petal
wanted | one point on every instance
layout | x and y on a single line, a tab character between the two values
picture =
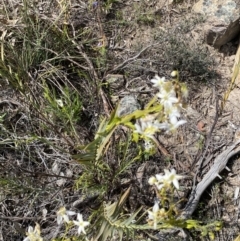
59	220
66	218
152	180
146	128
175	125
174	111
153	215
81	229
175	183
159	177
173	120
159	186
167	172
138	128
30	229
71	213
157	81
155	207
150	215
75	222
62	215
167	99
33	234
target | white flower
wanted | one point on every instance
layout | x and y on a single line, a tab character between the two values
165	126
146	128
159	177
62	215
33	234
158	82
165	180
160	181
148	145
175	123
153	215
157	180
167	98
174	111
81	224
172	178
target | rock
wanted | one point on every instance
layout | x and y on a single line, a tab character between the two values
223	18
127	105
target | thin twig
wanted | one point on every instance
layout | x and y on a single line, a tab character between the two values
130	59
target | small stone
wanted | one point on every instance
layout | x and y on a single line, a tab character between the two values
127	105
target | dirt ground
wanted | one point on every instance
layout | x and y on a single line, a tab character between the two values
175	40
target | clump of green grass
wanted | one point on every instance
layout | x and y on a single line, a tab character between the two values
64	108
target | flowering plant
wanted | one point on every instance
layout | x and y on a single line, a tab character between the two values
165	212
33	234
161	114
165	116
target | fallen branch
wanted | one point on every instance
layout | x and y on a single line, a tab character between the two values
218	165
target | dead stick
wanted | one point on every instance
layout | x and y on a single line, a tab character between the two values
218	165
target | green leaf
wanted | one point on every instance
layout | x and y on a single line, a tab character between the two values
191	224
132	217
102	145
135	137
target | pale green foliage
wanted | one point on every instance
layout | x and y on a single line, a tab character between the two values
92	155
27	47
111	219
98	174
64	108
114	222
